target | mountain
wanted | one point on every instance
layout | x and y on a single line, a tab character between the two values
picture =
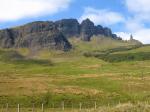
85	30
52	35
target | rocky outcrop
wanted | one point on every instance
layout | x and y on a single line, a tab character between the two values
53	35
107	32
87	30
99	30
6	38
34	35
69	27
34	27
48	39
134	41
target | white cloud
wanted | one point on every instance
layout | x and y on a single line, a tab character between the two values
18	9
136	23
133	25
141	35
123	35
138	6
104	17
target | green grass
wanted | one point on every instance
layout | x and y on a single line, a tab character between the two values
126	53
52	77
98	43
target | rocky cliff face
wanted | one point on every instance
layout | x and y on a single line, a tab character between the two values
69	27
50	34
47	39
87	30
6	39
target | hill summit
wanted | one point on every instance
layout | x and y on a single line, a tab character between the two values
53	35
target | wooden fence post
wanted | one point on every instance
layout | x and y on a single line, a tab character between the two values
80	106
42	107
7	107
33	107
119	102
63	106
18	108
53	105
95	105
72	106
108	105
2	109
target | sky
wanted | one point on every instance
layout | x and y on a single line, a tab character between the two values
124	17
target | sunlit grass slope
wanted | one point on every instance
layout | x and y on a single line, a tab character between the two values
54	76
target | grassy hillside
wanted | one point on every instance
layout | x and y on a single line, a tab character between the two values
100	43
51	77
126	53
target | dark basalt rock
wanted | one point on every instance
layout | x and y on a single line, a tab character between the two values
35	27
34	35
87	30
114	36
69	27
6	38
99	30
107	32
48	39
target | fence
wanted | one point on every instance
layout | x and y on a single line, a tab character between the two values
57	108
61	107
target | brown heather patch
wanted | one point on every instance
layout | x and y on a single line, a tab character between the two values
89	76
76	90
108	75
91	66
23	86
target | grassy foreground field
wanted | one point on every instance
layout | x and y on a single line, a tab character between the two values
50	77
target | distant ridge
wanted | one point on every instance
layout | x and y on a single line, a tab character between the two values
52	35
